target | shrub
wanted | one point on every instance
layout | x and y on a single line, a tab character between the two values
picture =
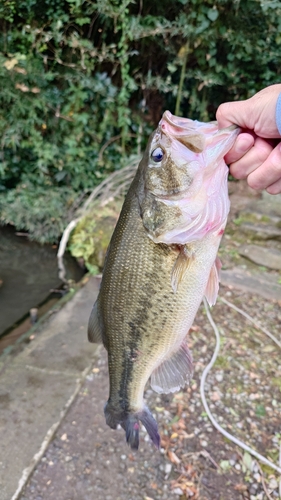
85	81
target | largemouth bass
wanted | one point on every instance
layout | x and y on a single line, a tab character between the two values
161	261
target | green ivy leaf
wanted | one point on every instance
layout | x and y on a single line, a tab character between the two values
213	14
247	460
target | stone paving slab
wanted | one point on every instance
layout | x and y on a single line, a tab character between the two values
268	257
262	284
38	385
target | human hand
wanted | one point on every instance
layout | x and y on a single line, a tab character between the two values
256	155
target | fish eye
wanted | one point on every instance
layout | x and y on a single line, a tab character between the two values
157	155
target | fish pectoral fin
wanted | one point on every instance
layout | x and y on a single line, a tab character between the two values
174	373
181	266
212	288
94	329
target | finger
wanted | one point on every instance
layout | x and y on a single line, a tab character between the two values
268	173
252	160
274	188
243	143
236	113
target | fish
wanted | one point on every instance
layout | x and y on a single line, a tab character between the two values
160	263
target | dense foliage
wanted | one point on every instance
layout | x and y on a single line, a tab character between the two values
84	81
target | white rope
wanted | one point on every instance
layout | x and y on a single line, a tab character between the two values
256	323
229	436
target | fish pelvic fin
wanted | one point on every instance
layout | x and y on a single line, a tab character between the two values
174	373
131	424
181	266
94	328
212	288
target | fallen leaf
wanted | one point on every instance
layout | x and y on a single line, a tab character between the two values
195	328
173	458
215	396
240	487
248	461
159	408
10	63
22	71
181	424
269	348
22	87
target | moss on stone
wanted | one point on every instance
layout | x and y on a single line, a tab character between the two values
90	238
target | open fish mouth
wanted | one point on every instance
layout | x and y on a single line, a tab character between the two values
193	134
180	122
183	130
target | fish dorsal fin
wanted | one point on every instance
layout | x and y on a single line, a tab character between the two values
94	329
212	288
195	143
174	373
181	266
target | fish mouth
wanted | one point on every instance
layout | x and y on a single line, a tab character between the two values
184	124
176	121
183	130
192	134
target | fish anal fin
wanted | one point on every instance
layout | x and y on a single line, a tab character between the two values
212	288
181	266
173	373
94	328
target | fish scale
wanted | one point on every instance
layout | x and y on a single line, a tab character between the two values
151	291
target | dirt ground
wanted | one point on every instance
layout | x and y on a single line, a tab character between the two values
88	461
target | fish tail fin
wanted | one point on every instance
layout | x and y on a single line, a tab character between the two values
150	424
112	418
130	423
131	426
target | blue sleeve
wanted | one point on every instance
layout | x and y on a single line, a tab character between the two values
278	114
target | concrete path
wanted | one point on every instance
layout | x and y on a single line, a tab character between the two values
38	386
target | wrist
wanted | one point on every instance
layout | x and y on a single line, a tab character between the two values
278	114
